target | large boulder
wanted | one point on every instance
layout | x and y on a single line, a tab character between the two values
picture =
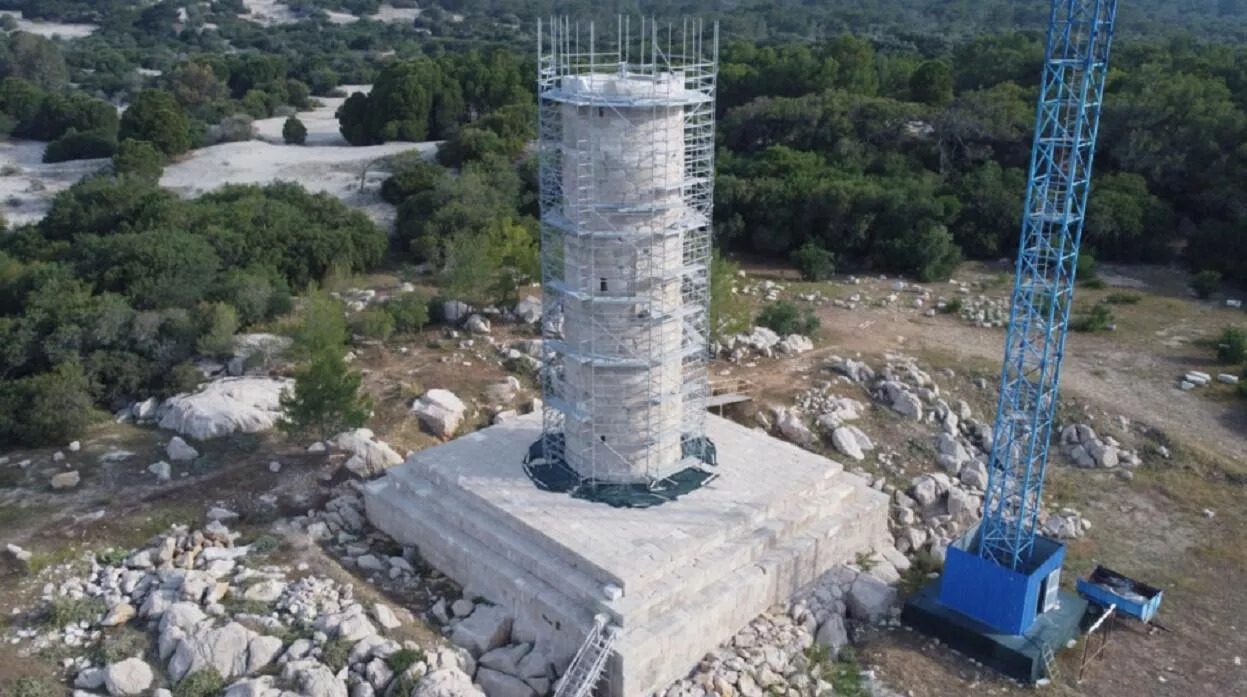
795	344
440	411
506	659
455	310
793	427
226	406
223	648
487	628
313	679
845	441
369	456
477	325
179	451
870	598
832	634
528	309
129	677
498	684
446	682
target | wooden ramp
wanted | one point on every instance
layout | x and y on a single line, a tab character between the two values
730	391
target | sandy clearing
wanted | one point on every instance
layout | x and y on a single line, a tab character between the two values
52	29
26	193
332	169
270	13
321	122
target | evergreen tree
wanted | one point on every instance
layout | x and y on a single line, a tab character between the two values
294	132
325	399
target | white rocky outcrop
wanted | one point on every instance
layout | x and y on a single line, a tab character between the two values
226	406
440	411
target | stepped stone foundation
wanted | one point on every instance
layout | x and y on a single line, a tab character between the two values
677	579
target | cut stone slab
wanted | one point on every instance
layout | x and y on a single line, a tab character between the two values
690	573
487	628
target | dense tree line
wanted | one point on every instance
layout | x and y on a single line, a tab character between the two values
112	294
902	161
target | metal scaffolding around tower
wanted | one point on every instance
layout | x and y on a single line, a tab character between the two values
626	157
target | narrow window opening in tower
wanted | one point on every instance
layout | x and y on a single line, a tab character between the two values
601	112
602	284
603	438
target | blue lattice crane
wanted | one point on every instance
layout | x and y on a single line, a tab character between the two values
1002	574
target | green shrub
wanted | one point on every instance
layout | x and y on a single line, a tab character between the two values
31	686
62	612
814	262
404	658
1232	345
953	306
219	323
1085	268
1099	319
56	406
784	318
294	132
1242	388
1205	283
373	323
1095	284
410	312
139	158
205	683
1123	298
336	654
76	145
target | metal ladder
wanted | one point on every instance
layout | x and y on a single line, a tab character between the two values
1049	662
590	661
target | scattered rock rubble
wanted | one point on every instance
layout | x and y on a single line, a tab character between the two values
938	505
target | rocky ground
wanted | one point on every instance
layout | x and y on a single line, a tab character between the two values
121	577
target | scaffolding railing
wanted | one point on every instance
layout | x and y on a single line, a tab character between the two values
626	155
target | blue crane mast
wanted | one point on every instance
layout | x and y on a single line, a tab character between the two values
1003	574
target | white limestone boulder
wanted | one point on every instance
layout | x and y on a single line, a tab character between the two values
869	598
477	325
795	345
369	456
446	682
487	628
129	677
313	679
226	406
179	451
845	441
528	309
498	684
793	427
440	411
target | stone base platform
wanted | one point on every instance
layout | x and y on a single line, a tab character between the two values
678	579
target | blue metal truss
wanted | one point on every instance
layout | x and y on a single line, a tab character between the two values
1067	121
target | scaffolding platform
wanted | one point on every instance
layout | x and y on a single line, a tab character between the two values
1021	657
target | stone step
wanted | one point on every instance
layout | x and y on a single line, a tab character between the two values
417	476
671	640
466	560
658	597
449	509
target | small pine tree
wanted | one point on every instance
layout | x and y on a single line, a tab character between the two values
294	132
325	399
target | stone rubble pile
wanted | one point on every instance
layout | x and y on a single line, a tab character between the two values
761	341
1084	448
937	506
208	604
